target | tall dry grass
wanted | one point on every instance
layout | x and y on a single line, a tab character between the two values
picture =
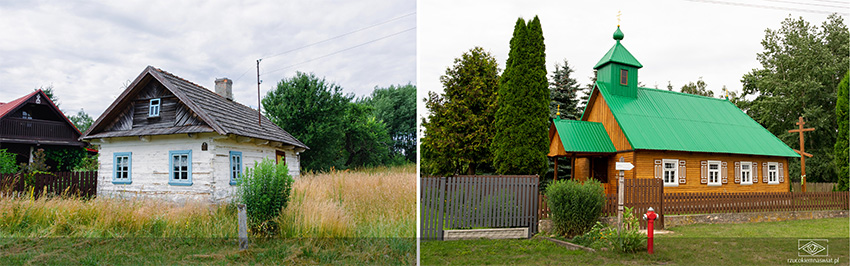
109	217
377	202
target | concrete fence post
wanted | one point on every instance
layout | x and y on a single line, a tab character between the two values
243	227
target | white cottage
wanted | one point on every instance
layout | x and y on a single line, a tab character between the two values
167	137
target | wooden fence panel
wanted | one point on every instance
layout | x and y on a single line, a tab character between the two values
704	203
83	184
464	202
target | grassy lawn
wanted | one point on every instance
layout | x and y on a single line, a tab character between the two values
189	251
769	243
346	217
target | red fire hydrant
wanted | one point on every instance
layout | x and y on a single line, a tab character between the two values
650	217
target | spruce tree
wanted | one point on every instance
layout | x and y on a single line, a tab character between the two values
563	93
521	141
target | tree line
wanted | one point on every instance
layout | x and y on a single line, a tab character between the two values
343	131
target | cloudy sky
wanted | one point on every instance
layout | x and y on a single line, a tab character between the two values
89	50
676	40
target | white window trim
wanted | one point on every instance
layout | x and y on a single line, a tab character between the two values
675	182
719	176
750	172
775	172
154	109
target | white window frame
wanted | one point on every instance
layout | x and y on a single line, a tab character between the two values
748	172
772	175
675	180
153	110
718	181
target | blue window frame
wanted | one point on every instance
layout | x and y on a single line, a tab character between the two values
153	111
122	168
180	168
235	166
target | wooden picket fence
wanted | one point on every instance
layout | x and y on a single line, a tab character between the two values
703	203
83	184
471	202
644	193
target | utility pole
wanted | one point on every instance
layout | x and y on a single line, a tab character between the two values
259	116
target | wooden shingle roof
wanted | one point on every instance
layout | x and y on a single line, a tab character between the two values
223	116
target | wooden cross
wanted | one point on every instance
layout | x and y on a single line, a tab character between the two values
802	151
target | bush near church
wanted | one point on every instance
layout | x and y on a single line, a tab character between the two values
575	206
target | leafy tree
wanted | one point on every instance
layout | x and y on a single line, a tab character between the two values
842	144
521	141
459	128
367	142
669	86
7	162
396	106
563	91
698	88
801	68
313	111
64	159
81	120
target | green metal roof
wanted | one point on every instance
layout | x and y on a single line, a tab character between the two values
618	53
583	136
665	120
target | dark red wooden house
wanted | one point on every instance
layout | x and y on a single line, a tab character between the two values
33	122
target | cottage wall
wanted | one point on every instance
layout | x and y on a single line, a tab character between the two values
210	168
644	162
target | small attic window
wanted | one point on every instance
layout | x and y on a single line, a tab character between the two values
154	108
624	77
25	115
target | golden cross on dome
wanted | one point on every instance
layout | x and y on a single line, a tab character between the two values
619	13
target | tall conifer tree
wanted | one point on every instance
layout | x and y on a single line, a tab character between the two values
521	140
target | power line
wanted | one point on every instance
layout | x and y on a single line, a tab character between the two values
332	38
339	51
768	7
830	1
342	35
801	3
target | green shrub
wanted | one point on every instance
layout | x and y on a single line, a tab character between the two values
602	236
575	207
7	162
265	190
630	238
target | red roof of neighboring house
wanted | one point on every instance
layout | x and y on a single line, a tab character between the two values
8	107
11	106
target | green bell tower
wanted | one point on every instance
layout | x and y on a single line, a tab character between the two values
619	69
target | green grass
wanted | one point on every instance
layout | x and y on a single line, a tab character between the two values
769	243
208	251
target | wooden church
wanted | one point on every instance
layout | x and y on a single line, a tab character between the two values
693	143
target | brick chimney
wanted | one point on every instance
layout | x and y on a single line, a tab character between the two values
224	87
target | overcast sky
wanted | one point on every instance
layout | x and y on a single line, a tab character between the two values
88	51
675	40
